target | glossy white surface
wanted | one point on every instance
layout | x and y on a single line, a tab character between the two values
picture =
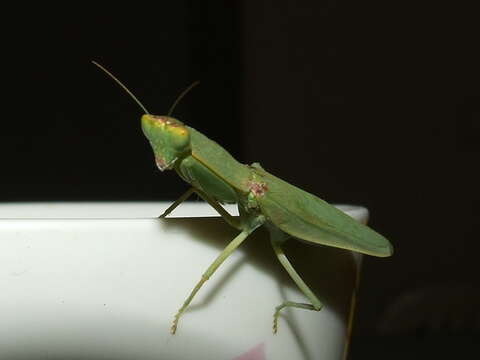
103	281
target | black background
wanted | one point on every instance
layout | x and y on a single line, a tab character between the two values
376	106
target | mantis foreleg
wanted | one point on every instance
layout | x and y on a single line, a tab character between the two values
232	221
177	202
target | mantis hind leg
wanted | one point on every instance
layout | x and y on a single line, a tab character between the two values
315	304
235	243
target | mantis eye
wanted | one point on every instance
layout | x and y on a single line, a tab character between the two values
180	137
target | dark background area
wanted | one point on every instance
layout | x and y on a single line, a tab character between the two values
374	106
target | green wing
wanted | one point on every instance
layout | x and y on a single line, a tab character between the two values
307	217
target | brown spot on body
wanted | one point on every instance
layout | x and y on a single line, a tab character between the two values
257	188
160	163
167	120
159	118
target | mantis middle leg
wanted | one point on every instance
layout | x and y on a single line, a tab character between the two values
235	243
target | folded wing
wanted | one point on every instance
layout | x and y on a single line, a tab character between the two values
307	217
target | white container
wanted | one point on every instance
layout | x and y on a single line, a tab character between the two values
103	281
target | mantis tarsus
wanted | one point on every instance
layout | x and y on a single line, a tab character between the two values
262	199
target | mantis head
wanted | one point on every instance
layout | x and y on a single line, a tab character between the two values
169	138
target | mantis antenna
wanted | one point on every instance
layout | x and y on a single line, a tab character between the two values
184	92
180	97
123	86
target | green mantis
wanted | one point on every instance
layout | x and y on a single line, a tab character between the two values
262	200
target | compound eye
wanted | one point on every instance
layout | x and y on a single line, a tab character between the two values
180	138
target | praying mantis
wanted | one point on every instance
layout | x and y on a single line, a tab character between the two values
262	199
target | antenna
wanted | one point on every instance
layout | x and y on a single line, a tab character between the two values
125	88
184	92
